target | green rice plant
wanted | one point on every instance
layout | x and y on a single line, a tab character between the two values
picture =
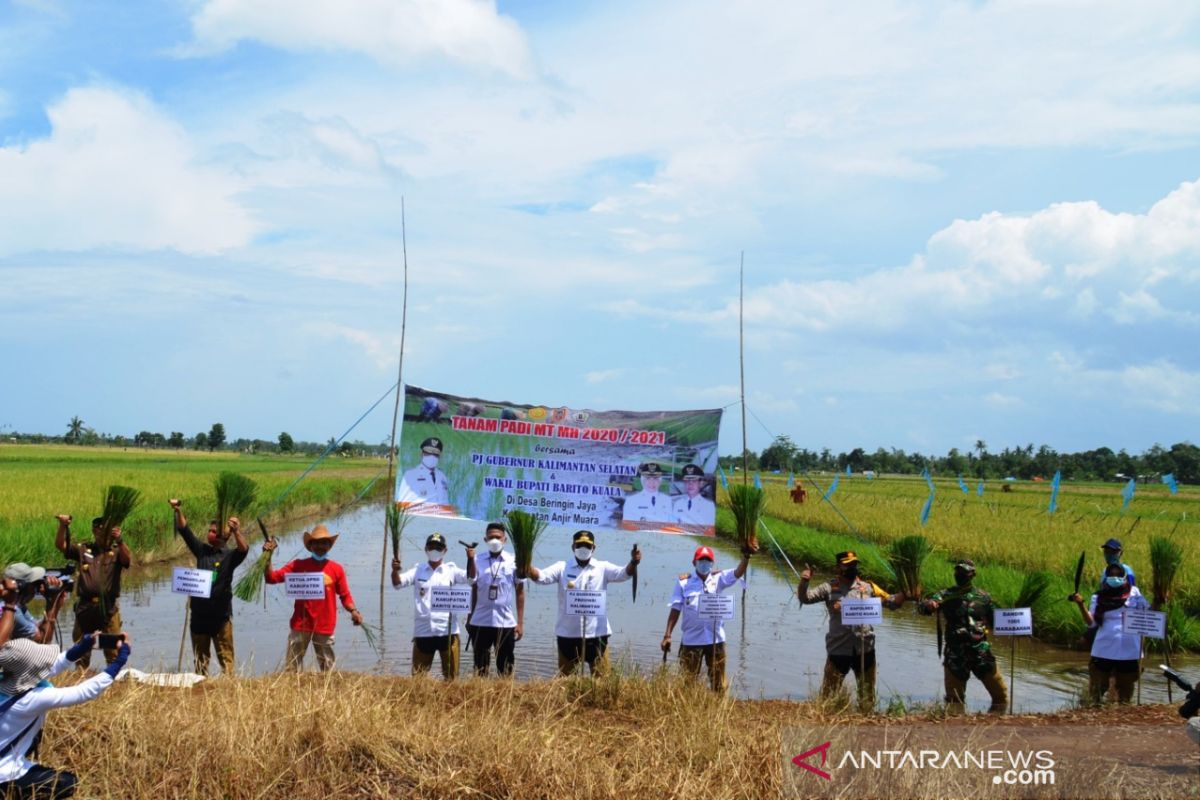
249	586
235	494
747	504
372	634
398	518
523	530
905	557
1032	589
1166	555
119	503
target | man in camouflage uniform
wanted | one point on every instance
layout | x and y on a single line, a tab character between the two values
968	612
848	647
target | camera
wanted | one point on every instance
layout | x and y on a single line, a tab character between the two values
67	583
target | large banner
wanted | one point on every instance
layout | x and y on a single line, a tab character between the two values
636	470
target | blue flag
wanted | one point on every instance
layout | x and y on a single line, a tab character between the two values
791	480
963	485
927	508
1127	493
724	480
758	480
979	491
928	480
848	472
1172	484
832	488
1054	490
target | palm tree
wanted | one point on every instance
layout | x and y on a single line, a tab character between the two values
75	430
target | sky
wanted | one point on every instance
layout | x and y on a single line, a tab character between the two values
958	220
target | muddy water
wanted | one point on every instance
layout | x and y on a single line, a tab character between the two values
777	653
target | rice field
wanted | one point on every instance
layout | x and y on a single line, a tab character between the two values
39	481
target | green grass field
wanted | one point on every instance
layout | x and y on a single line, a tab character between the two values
1008	534
39	481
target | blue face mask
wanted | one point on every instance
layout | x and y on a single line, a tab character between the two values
1115	581
703	567
318	557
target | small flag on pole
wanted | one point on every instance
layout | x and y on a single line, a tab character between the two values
1127	493
832	488
758	480
848	472
979	490
927	508
928	480
724	480
1054	490
1172	484
963	485
791	480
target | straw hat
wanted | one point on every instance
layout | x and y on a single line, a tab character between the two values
25	664
319	533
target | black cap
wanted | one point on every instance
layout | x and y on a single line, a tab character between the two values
650	470
432	445
583	537
846	557
966	565
435	540
1112	544
97	521
691	472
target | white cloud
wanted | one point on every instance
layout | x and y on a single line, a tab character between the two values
602	375
382	351
389	31
999	400
116	172
1164	386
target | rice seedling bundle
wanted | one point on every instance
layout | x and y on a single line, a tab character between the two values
906	557
1032	589
119	503
747	504
523	530
398	518
235	494
1166	555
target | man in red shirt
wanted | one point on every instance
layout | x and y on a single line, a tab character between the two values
314	620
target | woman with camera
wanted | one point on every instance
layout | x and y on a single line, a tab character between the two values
29	583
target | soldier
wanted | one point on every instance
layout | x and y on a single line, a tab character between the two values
426	483
648	505
433	631
702	640
692	508
583	639
847	648
968	612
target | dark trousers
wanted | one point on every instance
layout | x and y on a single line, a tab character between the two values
40	782
592	651
484	639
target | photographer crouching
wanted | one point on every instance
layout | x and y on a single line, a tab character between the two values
26	696
31	582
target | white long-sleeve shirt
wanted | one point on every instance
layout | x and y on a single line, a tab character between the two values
594	576
26	717
1111	640
686	600
426	621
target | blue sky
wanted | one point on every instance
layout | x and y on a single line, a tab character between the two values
961	221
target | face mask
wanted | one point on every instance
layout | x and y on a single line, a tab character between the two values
1114	581
434	556
963	579
583	553
703	567
429	461
1112	558
318	556
495	546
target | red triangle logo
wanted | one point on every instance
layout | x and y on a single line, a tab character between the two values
801	761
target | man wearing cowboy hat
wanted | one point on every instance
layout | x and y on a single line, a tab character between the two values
25	699
426	483
847	648
433	631
692	509
702	640
313	621
648	505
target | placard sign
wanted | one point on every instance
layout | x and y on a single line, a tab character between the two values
1145	622
867	611
587	603
304	585
1013	622
455	599
192	582
715	606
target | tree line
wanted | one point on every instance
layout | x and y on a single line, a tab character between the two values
1101	464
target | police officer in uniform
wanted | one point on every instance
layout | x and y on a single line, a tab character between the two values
426	483
648	505
434	632
692	508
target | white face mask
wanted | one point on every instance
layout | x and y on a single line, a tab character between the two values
495	546
583	553
703	566
429	461
435	556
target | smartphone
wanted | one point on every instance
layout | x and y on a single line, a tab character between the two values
111	641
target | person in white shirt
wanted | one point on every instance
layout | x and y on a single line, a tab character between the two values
648	505
583	638
434	631
26	696
1116	655
426	484
699	634
498	593
692	509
